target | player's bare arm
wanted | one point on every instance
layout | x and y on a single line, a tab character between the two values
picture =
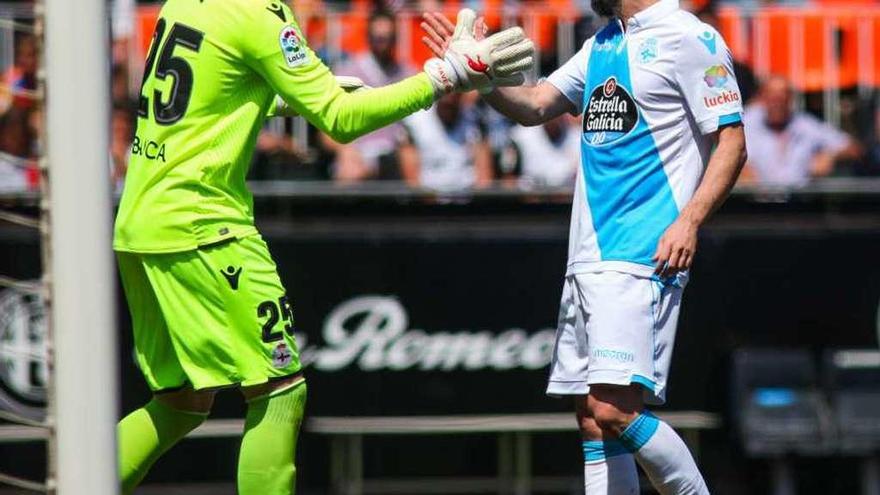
675	251
530	105
526	105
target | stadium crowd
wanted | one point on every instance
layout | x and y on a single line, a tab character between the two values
460	143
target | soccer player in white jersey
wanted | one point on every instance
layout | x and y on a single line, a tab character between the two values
661	148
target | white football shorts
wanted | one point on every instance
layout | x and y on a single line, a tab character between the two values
615	328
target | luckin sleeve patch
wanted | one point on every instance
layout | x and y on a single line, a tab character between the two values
293	48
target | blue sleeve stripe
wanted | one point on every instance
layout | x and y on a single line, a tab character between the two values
598	450
731	118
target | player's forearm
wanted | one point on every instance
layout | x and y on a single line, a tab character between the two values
314	93
526	105
721	174
347	116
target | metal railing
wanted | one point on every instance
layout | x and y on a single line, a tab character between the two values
514	438
828	188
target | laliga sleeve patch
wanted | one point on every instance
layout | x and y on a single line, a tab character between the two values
293	49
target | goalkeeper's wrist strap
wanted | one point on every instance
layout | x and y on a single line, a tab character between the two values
442	76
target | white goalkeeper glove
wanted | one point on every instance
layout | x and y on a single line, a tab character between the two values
348	83
498	60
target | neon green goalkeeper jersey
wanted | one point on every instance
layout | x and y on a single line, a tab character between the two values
211	75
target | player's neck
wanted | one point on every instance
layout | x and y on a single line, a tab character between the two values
629	8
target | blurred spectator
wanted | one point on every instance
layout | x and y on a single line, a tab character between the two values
119	90
445	149
123	21
745	78
551	153
18	136
497	128
390	5
872	158
785	147
378	67
278	157
121	133
21	77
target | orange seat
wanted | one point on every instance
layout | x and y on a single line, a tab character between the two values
818	46
418	52
845	2
733	28
493	11
873	76
540	25
147	17
847	60
354	31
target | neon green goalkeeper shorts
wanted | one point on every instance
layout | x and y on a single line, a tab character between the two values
214	317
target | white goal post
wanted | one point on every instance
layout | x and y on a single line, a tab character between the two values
81	276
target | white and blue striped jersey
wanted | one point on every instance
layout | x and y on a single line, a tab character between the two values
651	95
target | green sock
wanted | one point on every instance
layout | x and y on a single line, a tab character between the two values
268	449
146	434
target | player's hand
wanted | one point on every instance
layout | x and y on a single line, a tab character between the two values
349	84
498	60
675	251
439	29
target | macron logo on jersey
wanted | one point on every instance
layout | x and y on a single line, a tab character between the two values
292	47
708	40
278	10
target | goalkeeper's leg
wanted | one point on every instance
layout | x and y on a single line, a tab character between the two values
147	433
266	464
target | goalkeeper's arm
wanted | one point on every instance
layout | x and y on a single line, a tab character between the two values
315	94
348	83
310	90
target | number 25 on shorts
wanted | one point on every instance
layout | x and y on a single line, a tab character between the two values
275	311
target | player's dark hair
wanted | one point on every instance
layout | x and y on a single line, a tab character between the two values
709	8
379	14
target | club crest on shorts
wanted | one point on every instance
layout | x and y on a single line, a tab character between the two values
281	355
292	47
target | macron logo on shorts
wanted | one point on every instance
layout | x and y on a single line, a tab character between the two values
231	274
619	356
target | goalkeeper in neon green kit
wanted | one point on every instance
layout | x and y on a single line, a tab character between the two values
207	306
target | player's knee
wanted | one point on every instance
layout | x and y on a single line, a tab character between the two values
590	429
188	400
609	418
586	423
613	408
